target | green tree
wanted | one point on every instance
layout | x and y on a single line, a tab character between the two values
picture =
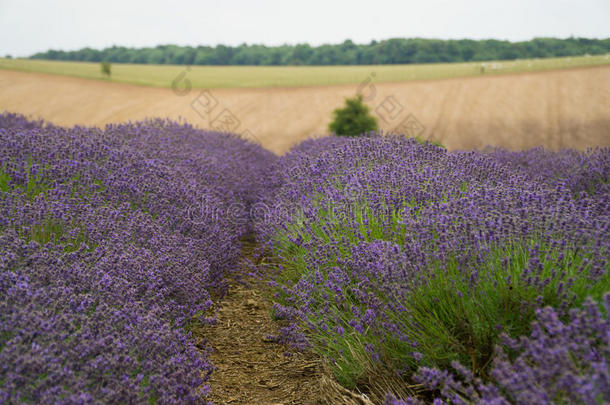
390	51
354	119
301	54
106	68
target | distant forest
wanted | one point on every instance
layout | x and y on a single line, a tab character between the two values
391	51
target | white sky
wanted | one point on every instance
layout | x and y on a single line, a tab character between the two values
28	26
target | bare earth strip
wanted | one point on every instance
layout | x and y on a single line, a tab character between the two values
251	368
564	108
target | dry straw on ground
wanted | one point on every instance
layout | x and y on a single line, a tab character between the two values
564	108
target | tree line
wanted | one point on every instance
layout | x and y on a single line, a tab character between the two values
391	51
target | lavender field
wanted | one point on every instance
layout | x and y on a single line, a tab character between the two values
416	275
463	277
105	258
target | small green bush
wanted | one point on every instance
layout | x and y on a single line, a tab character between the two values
354	119
106	68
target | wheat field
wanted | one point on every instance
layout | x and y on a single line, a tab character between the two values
562	108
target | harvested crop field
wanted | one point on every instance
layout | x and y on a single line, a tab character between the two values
563	108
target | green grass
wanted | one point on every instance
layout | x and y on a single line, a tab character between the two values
289	76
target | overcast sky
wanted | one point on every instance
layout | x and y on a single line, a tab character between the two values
28	26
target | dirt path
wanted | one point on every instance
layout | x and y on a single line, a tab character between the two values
564	108
251	367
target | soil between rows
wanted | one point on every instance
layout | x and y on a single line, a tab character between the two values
251	368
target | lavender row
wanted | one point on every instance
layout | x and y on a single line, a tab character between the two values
397	257
111	243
